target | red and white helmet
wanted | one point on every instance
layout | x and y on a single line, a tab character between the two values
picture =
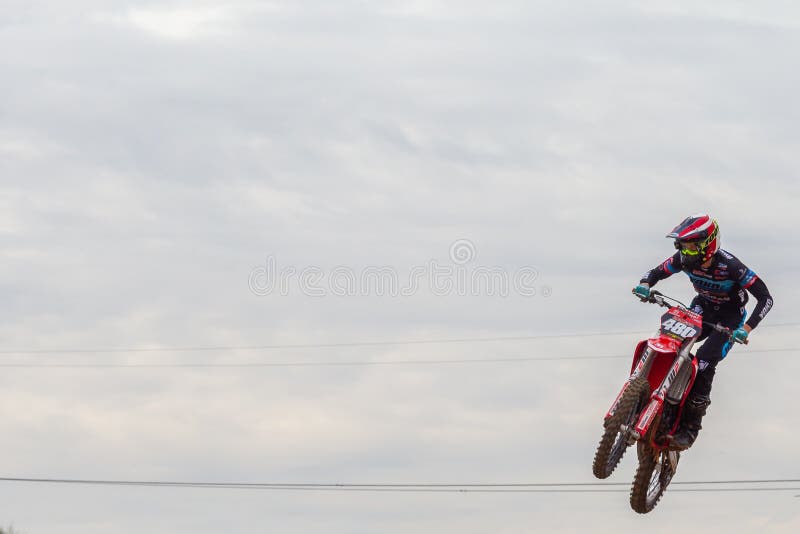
700	229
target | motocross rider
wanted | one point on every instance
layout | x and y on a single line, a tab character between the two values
722	283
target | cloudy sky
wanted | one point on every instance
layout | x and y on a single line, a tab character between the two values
157	158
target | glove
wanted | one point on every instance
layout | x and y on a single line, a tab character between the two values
739	335
642	291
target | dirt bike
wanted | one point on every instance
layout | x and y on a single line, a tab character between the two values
648	409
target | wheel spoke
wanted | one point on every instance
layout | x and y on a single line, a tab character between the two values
654	488
652	478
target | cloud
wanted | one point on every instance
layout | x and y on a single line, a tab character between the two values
180	22
153	154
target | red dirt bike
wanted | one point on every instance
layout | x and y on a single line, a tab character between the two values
648	409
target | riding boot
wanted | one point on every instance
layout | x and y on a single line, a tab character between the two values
691	419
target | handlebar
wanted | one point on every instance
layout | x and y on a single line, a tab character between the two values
658	298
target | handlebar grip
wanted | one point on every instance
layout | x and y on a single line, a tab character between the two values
725	330
638	296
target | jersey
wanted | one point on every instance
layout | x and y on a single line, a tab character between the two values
724	282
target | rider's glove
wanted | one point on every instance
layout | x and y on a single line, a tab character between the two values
739	335
642	291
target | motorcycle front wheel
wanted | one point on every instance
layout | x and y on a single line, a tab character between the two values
615	438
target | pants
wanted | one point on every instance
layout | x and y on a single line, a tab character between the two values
716	345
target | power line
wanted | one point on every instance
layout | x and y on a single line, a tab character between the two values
386	484
351	363
221	348
560	487
468	490
225	348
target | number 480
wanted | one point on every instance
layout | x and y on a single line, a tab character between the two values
678	328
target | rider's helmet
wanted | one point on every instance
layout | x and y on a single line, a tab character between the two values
700	229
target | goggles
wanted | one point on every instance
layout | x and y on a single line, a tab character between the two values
682	246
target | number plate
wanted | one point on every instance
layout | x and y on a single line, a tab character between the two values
675	326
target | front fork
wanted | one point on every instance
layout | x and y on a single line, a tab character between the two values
665	391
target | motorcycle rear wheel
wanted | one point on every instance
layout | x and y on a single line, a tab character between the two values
615	441
654	474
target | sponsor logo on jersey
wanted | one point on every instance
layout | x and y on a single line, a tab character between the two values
767	307
701	282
